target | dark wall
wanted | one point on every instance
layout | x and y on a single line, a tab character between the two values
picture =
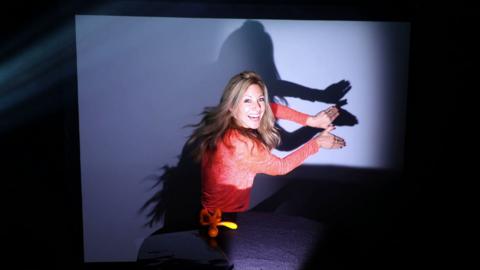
42	225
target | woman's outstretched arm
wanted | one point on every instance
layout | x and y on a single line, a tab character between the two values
255	157
322	119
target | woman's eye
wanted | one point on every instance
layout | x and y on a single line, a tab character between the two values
261	99
247	100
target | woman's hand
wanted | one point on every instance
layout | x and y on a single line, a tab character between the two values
324	118
327	140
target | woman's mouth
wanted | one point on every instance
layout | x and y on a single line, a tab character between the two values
254	117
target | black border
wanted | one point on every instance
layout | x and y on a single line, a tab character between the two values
437	40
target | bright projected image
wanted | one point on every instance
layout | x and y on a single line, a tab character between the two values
143	80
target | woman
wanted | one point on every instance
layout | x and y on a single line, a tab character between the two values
234	139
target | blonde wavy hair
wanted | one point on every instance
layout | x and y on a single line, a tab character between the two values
217	120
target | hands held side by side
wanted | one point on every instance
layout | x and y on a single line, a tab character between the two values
324	120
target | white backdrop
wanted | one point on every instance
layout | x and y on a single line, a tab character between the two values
142	79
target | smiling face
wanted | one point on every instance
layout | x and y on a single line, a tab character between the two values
251	107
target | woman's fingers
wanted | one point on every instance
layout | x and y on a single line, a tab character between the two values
337	142
340	142
332	112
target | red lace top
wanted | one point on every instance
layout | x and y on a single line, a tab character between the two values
228	172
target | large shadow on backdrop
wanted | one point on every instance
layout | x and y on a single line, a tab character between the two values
177	200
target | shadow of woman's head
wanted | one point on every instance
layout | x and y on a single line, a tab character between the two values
249	47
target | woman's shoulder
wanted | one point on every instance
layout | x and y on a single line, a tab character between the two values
235	136
238	139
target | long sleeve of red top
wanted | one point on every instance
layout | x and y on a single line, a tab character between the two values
229	171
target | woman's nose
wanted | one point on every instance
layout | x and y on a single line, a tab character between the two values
257	105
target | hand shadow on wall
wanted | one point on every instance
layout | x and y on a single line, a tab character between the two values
250	47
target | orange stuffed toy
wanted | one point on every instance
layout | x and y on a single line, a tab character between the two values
214	220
